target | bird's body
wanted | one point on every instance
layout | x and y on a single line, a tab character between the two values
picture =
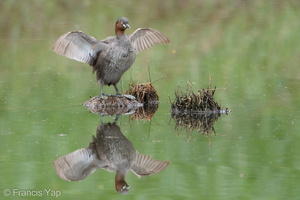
110	57
112	62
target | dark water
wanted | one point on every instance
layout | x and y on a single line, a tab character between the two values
251	51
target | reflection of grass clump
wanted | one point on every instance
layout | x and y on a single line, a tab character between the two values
144	93
145	112
201	123
201	102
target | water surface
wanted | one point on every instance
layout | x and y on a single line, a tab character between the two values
251	51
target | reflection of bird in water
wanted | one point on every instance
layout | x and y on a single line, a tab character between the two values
112	56
109	150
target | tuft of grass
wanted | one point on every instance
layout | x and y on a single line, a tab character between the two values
202	102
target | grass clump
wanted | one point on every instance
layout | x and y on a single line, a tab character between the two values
144	93
201	102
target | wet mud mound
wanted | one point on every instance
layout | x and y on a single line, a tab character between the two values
113	104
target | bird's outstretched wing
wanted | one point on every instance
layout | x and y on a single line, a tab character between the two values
144	38
77	165
144	165
78	46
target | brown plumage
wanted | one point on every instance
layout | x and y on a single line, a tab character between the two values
110	57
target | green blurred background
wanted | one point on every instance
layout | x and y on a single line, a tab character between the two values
251	49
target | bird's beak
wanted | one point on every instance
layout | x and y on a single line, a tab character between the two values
126	26
126	187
